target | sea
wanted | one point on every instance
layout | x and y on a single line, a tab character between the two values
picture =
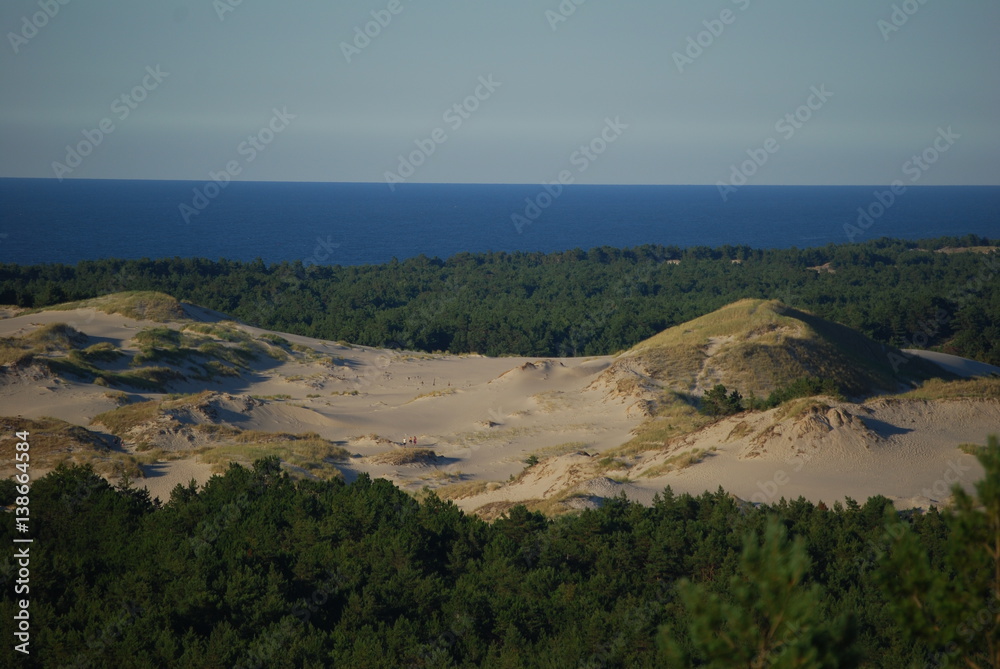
47	221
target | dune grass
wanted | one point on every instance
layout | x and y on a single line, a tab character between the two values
675	417
52	435
434	393
551	400
559	449
307	451
48	339
54	442
799	407
247	345
118	397
153	379
205	351
937	389
63	351
101	352
466	489
140	305
316	456
228	349
753	346
678	352
551	507
404	456
762	345
233	435
675	463
972	449
119	421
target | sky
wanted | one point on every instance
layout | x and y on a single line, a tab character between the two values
513	91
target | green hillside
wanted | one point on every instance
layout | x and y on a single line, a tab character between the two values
760	346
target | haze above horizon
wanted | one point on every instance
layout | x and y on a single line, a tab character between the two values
732	91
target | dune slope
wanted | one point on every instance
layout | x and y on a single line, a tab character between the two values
181	395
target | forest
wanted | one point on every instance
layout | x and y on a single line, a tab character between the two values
908	294
258	570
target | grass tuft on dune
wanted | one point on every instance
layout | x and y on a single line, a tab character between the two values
137	304
313	455
937	389
54	442
404	456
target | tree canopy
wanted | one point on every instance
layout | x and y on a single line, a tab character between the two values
257	570
595	302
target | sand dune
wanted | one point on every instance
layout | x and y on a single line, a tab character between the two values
483	417
956	365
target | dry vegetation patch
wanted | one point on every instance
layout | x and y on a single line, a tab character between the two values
50	339
140	305
551	506
559	449
938	389
405	456
55	442
164	354
307	452
167	428
676	463
434	393
125	419
675	418
466	489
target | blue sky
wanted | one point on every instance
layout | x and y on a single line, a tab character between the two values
272	91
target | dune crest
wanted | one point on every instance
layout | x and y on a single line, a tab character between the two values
193	390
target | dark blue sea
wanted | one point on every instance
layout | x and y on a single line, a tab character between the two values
45	221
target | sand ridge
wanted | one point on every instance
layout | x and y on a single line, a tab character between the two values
483	417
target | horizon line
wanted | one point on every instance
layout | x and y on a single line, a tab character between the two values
503	183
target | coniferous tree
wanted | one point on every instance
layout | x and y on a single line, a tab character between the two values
771	617
949	603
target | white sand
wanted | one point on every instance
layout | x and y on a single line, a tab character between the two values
956	365
484	416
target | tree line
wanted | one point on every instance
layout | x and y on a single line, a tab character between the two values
257	570
596	302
